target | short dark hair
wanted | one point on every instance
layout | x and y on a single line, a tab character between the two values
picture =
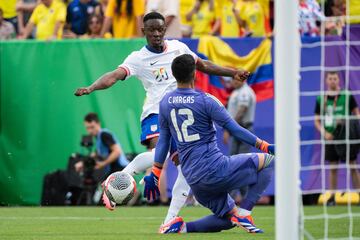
91	117
153	15
183	68
331	73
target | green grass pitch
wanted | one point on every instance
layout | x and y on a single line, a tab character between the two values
48	223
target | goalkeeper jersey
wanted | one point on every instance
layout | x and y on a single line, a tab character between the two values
188	116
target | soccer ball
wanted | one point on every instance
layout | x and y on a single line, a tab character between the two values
120	187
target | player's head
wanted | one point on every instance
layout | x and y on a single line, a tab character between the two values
183	69
154	29
92	124
332	80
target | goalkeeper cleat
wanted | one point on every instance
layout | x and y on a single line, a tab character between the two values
173	226
246	223
107	202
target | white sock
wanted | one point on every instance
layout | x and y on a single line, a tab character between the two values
180	193
140	163
184	230
243	212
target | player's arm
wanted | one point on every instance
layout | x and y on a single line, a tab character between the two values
244	135
219	115
105	81
213	69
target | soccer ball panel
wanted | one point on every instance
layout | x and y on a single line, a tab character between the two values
120	187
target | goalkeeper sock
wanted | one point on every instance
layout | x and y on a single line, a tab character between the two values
209	223
180	193
140	163
243	212
255	190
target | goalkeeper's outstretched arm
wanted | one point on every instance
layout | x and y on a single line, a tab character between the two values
105	81
218	114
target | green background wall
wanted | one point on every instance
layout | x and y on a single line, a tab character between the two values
41	121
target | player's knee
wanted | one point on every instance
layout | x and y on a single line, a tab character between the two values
269	161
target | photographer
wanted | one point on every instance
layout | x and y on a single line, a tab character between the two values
330	113
109	154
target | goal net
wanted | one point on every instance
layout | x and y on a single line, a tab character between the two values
329	164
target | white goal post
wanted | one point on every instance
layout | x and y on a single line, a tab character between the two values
287	167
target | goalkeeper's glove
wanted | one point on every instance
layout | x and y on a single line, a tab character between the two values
266	147
151	189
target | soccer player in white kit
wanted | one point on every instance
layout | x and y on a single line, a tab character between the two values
152	66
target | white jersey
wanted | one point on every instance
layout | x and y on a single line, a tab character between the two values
154	71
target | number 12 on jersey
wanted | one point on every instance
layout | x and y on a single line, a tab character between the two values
183	135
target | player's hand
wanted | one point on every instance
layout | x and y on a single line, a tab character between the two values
241	75
82	91
267	148
271	149
151	189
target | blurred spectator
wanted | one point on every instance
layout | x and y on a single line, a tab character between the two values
170	10
241	107
309	13
335	8
78	13
185	8
125	16
250	15
48	18
202	16
9	12
24	10
94	28
7	30
354	10
226	23
330	112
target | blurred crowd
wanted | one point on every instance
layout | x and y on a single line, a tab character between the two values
64	19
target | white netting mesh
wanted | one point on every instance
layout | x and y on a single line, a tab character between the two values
347	216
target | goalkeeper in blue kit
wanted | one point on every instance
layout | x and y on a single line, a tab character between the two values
188	116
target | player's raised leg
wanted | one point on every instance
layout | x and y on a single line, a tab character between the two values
140	163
